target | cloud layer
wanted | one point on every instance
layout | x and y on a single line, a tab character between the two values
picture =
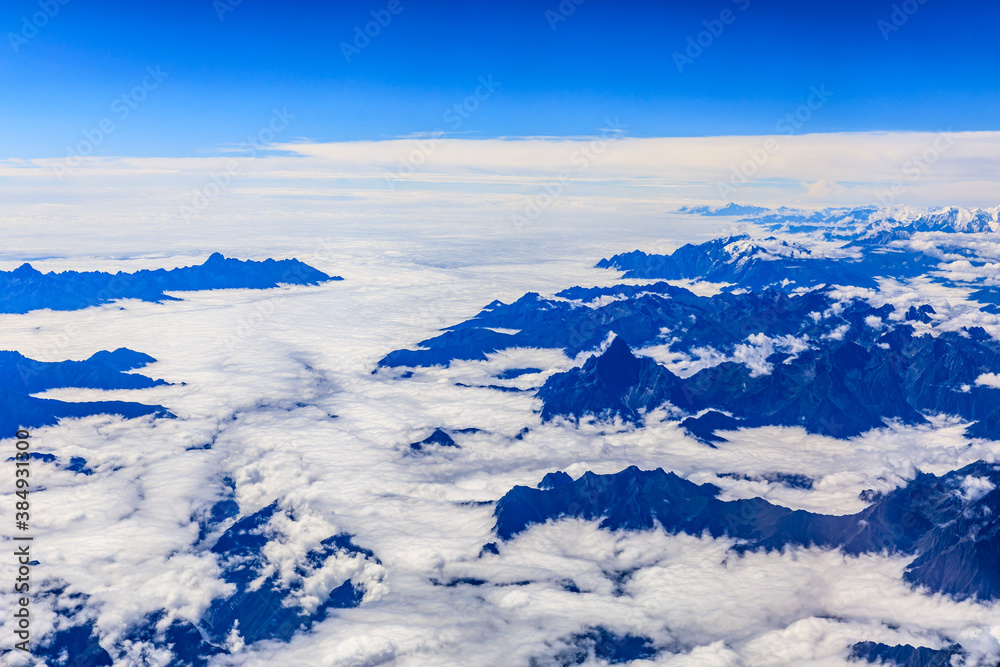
279	383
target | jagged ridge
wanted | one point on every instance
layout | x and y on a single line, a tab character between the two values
25	289
951	523
840	390
104	370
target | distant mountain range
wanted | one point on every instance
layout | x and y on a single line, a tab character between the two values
861	221
767	262
25	289
871	245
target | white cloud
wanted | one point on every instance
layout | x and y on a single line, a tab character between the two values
473	185
423	257
989	380
974	488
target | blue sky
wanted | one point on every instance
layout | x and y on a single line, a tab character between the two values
939	70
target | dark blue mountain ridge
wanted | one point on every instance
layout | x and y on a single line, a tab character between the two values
615	383
512	373
22	377
987	427
853	377
990	296
602	645
102	370
25	289
554	479
439	437
950	523
791	480
575	322
841	389
904	655
585	295
704	427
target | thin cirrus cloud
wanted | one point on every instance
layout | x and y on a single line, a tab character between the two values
812	170
507	195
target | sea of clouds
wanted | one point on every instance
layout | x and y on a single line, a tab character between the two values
280	383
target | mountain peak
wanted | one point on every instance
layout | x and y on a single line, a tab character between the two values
26	269
617	367
618	350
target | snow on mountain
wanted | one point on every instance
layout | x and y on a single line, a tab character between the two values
866	221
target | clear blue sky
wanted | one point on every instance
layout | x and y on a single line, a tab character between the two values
939	70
